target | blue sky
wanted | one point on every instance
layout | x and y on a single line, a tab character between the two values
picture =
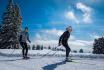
47	19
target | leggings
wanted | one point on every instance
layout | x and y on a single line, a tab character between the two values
25	48
67	49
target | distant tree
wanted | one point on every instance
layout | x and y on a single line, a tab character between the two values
53	48
62	49
98	46
74	51
81	51
33	47
58	49
38	47
42	47
49	47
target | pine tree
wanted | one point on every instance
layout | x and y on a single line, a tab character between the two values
75	51
38	47
98	46
10	28
81	51
33	47
41	47
49	47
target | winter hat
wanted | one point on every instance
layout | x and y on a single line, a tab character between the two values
69	27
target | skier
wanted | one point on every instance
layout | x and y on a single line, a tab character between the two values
24	37
64	41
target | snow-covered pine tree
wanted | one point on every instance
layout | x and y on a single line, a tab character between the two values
10	28
98	46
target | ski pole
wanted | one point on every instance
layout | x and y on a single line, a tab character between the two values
46	53
55	51
49	53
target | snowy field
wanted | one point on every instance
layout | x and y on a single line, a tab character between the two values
38	61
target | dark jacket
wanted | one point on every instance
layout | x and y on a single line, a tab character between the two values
64	37
24	37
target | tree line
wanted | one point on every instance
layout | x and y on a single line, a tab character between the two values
41	47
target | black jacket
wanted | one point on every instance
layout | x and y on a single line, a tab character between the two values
64	37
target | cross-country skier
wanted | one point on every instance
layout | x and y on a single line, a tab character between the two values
24	37
64	41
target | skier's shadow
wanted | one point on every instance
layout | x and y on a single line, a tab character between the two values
53	66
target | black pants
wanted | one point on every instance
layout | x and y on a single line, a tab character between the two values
67	49
24	48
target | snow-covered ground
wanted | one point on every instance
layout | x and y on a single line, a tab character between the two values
15	52
14	61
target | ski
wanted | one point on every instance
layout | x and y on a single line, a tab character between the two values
74	61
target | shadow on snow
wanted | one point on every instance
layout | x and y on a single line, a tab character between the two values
53	66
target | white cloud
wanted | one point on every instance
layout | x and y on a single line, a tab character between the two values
86	10
83	7
54	32
94	36
51	38
70	15
86	14
78	44
51	34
